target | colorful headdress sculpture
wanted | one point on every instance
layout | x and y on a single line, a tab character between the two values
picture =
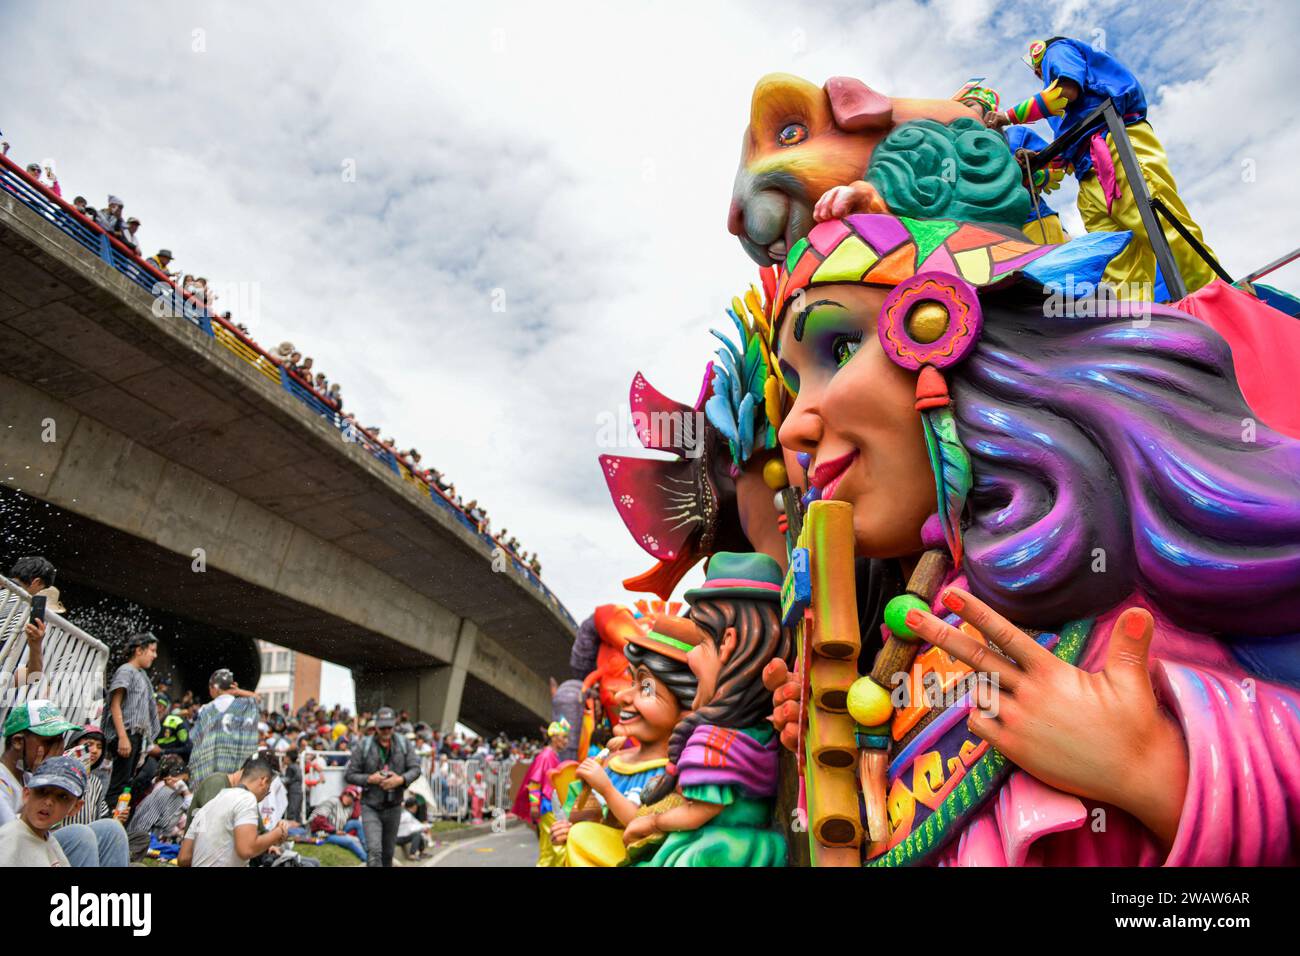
559	728
744	393
681	510
932	318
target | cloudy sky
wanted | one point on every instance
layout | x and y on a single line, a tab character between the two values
376	176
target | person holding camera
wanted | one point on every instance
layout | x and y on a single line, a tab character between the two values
383	765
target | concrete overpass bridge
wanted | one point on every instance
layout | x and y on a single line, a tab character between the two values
163	441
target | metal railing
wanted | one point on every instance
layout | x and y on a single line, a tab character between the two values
1149	207
445	787
15	181
451	782
74	662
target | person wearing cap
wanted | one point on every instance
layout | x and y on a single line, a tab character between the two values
383	765
225	733
33	734
174	737
129	234
52	793
161	260
713	805
1079	78
88	745
133	722
334	821
110	218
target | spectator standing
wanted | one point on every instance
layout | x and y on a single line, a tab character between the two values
292	776
133	713
225	733
384	765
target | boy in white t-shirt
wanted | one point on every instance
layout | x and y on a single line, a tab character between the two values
52	793
224	831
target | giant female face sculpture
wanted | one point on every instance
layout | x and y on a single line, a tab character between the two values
1077	461
1089	442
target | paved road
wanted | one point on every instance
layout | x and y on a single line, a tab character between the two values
515	847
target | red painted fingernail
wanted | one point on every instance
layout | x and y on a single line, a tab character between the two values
913	618
952	600
1135	625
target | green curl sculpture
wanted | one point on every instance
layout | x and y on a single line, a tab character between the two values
962	170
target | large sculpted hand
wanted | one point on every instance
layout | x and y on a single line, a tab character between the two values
785	686
1102	736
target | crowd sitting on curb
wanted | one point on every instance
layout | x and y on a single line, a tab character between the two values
136	786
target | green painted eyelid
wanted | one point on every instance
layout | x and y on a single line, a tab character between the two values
790	375
816	316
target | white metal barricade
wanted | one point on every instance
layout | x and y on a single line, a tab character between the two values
331	776
451	782
74	662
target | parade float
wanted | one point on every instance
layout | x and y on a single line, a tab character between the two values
1005	562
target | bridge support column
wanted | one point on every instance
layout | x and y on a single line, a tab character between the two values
431	694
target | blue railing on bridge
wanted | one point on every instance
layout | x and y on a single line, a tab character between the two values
15	181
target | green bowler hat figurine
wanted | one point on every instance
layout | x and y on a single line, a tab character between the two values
751	577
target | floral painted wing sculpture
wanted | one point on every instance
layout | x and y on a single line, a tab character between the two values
672	508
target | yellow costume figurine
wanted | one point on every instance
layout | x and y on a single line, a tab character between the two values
607	795
1079	78
536	798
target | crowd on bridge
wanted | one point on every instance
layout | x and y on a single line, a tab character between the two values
226	782
113	221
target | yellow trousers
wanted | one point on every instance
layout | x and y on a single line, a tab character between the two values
1133	271
548	854
1046	231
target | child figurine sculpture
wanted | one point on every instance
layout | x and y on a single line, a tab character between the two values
661	688
714	803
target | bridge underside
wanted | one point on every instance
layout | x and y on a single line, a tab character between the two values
213	606
170	440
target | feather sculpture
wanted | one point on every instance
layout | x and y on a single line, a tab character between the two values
740	406
952	472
